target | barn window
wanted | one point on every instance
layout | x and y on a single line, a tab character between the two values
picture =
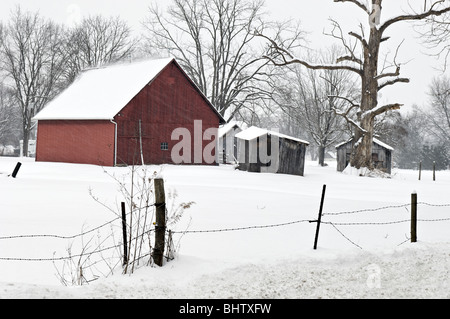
164	146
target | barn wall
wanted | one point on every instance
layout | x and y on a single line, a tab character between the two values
84	142
167	103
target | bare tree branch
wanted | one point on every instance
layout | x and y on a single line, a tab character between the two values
356	2
287	58
417	17
213	41
392	82
367	67
97	41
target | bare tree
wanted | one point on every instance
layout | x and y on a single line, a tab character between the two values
97	41
435	34
214	42
438	112
312	100
362	55
9	116
408	133
31	58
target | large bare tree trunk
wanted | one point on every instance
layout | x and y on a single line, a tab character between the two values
362	153
365	64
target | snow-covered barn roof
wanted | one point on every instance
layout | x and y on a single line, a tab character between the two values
101	93
254	132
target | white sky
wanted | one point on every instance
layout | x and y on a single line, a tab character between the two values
313	14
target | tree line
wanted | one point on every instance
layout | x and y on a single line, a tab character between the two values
252	68
39	58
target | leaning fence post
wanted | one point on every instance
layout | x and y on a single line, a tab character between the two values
414	217
160	225
320	217
124	230
16	169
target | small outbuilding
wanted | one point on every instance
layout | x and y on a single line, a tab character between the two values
126	114
381	155
261	150
228	142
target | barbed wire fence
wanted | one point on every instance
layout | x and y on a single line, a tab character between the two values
327	221
381	223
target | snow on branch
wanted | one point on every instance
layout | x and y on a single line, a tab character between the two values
392	82
381	109
345	114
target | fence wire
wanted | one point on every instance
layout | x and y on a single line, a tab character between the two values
60	236
240	228
366	210
333	224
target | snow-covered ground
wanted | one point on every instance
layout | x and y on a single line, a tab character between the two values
370	259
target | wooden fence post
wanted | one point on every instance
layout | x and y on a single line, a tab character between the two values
420	169
434	170
16	169
160	225
414	217
124	230
320	217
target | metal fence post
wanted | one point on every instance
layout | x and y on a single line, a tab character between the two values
320	217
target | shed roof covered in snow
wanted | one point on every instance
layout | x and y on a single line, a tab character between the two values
101	93
375	140
254	132
225	128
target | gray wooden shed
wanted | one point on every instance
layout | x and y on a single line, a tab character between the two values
381	155
261	150
228	142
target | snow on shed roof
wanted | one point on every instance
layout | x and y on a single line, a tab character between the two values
254	132
100	93
225	128
375	140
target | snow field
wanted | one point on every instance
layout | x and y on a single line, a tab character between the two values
272	262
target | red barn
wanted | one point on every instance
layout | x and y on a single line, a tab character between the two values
128	113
